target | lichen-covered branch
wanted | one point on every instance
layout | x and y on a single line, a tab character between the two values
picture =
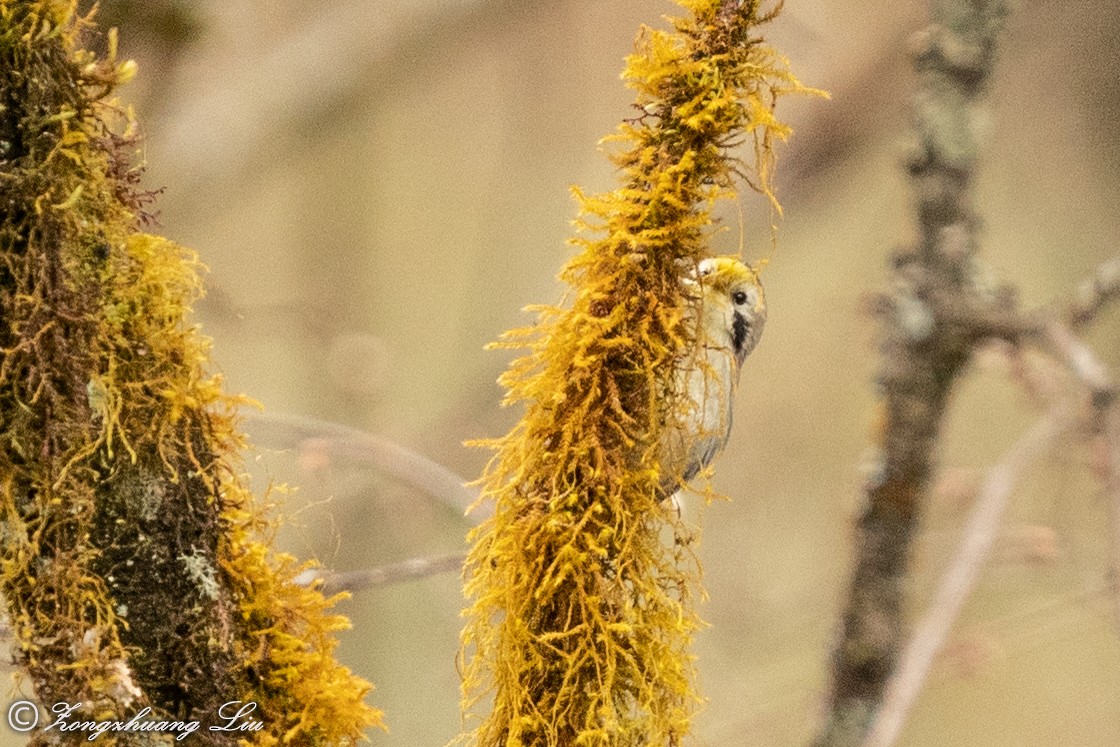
931	321
132	557
582	611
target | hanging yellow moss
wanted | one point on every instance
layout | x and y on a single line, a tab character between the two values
135	565
582	611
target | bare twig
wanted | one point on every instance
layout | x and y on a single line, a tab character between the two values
1111	438
1081	361
402	463
386	575
980	531
1096	292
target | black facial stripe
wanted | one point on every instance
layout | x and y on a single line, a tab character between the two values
739	329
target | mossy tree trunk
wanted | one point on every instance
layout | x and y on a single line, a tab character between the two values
130	562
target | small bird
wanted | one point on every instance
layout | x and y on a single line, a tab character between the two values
728	309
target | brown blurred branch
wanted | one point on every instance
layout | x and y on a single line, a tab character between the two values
1060	341
1093	374
1111	444
980	531
1080	359
1096	292
395	573
932	320
406	465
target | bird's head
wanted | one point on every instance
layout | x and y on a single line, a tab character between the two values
734	305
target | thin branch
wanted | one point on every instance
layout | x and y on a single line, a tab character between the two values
414	469
1096	292
1111	439
396	573
980	532
1079	358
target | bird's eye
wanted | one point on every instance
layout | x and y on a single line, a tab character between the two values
739	297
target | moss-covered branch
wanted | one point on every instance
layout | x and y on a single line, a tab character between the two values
582	612
133	560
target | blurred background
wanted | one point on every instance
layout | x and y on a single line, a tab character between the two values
379	186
